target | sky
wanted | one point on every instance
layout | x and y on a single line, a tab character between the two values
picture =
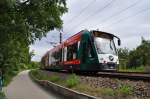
127	19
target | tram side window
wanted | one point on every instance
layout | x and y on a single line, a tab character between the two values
65	54
47	60
75	50
50	59
72	51
56	57
69	53
60	57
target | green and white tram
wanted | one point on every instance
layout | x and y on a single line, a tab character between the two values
85	51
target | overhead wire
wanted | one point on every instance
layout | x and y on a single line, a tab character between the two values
121	11
82	11
137	13
97	11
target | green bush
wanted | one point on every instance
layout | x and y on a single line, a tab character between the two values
72	81
33	65
8	76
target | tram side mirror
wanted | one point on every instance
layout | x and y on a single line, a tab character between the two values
119	42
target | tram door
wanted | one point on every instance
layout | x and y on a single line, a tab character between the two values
88	56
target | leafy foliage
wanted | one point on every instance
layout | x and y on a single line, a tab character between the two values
136	58
21	23
123	57
140	56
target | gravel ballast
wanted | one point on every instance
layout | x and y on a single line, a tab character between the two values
140	88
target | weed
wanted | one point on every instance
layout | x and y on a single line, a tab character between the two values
72	81
125	90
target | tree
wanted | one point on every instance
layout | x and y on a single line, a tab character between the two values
136	57
123	54
21	23
140	56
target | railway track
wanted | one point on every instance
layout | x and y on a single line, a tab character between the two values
120	75
126	75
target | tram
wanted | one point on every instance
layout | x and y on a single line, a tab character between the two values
88	51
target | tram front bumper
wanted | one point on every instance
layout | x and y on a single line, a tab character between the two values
108	66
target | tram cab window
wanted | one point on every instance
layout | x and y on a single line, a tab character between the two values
72	51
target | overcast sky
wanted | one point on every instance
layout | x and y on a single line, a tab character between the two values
128	19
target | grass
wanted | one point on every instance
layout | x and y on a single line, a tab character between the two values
54	78
40	76
37	74
2	95
138	69
106	93
147	69
9	76
70	82
73	82
87	89
124	90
